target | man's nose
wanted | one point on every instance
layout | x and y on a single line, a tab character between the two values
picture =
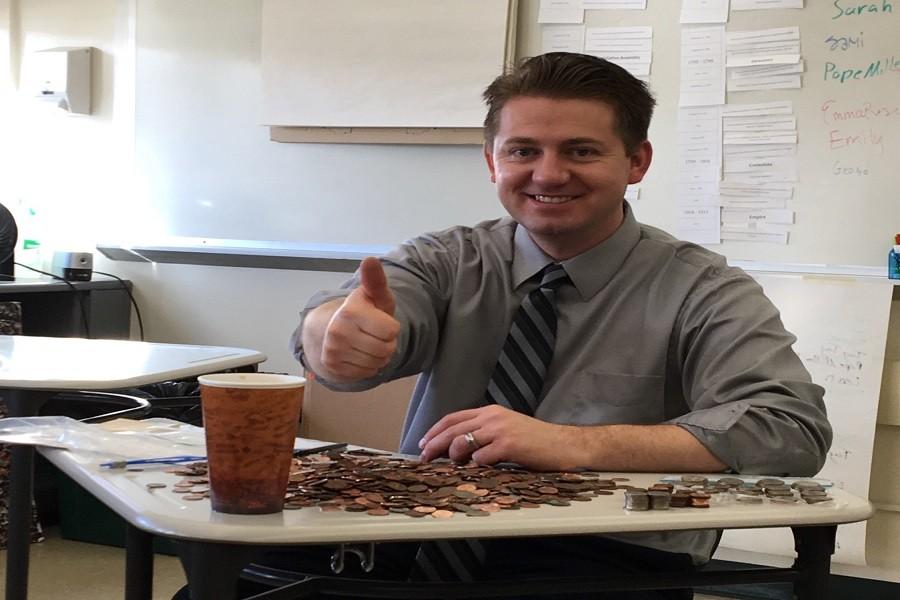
551	169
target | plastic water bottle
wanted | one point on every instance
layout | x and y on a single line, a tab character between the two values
894	259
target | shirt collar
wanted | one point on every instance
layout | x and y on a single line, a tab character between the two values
590	270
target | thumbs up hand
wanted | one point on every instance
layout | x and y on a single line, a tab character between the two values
361	336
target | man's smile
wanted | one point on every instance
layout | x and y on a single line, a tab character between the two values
548	199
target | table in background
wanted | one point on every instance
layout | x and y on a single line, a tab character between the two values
53	308
32	369
218	546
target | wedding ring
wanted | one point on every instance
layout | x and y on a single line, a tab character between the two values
471	442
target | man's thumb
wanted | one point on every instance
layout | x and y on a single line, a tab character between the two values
374	283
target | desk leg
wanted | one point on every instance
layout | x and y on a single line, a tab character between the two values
20	403
213	569
814	546
138	564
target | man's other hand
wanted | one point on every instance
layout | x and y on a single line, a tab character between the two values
501	435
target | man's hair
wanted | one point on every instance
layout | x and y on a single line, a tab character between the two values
569	76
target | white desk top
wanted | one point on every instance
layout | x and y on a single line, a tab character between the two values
47	363
160	511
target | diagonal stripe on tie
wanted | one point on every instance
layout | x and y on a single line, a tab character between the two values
518	378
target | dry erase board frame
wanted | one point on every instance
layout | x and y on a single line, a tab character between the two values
396	71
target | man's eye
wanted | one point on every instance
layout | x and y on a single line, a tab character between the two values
583	152
521	152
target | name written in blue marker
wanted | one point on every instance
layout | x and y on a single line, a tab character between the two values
850	9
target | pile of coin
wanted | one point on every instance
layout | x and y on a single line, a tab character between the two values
380	484
697	491
728	489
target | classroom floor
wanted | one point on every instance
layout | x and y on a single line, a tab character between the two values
79	571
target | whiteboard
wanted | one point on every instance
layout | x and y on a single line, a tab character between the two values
841	325
390	63
847	199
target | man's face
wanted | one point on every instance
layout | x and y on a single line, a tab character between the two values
561	171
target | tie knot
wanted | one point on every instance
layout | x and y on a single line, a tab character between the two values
553	276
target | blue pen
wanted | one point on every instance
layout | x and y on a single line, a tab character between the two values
166	460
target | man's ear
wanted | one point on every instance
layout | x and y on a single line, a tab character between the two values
640	162
489	159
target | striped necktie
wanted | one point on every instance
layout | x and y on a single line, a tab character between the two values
518	378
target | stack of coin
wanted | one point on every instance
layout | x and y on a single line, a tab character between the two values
637	499
659	499
681	498
777	491
694	480
811	492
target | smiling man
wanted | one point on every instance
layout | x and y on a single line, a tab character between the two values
568	335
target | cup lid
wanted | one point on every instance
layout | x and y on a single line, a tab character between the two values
252	380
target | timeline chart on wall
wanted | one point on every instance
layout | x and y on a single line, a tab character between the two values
810	118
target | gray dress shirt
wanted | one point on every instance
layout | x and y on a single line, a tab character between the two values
652	330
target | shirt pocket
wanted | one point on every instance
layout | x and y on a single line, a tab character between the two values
610	398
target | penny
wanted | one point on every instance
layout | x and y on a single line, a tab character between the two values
154	485
467	487
181	490
442	514
424	509
378	512
414	513
528	505
194	497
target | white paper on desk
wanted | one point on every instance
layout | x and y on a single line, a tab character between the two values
765	4
562	38
849	366
704	11
560	11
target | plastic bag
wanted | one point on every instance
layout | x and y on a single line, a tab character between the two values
114	440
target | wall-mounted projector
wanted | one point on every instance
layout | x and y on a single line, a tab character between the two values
73	266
